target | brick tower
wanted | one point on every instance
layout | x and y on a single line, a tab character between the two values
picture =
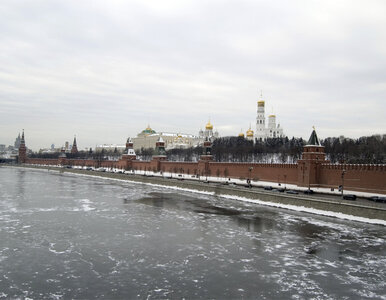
74	149
207	153
160	152
22	150
129	151
312	157
205	158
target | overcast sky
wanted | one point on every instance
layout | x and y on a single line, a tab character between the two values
104	70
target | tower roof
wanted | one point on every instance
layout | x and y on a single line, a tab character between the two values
148	130
313	140
249	132
209	126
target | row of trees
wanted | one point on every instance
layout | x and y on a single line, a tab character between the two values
98	155
370	149
238	149
365	150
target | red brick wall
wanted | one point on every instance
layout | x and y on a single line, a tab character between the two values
265	172
371	178
179	167
41	161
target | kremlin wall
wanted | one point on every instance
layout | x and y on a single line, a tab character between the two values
312	170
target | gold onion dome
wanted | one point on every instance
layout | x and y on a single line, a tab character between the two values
241	134
249	132
209	126
271	116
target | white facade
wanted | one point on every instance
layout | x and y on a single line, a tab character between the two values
148	137
272	130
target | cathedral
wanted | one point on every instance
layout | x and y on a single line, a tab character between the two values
208	133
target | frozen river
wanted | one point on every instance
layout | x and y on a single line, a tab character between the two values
66	236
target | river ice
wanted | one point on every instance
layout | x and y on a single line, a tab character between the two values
66	236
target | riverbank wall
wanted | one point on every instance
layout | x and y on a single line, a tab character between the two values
296	202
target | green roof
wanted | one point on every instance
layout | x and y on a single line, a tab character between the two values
313	141
148	130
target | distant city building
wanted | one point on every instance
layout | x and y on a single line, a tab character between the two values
17	142
262	131
120	148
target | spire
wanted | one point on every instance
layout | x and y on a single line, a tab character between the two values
314	140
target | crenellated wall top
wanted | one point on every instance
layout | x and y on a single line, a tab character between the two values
359	167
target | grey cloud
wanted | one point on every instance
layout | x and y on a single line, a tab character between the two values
103	70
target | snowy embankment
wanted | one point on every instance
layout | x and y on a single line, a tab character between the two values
339	215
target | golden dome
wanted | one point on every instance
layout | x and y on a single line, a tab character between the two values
249	132
209	126
241	134
260	103
271	116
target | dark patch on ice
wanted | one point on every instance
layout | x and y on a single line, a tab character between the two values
247	218
183	202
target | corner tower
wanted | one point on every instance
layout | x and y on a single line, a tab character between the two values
22	150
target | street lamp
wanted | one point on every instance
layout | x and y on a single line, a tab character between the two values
249	177
343	172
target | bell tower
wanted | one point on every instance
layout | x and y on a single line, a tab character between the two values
260	119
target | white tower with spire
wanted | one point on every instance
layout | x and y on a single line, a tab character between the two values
260	119
262	131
